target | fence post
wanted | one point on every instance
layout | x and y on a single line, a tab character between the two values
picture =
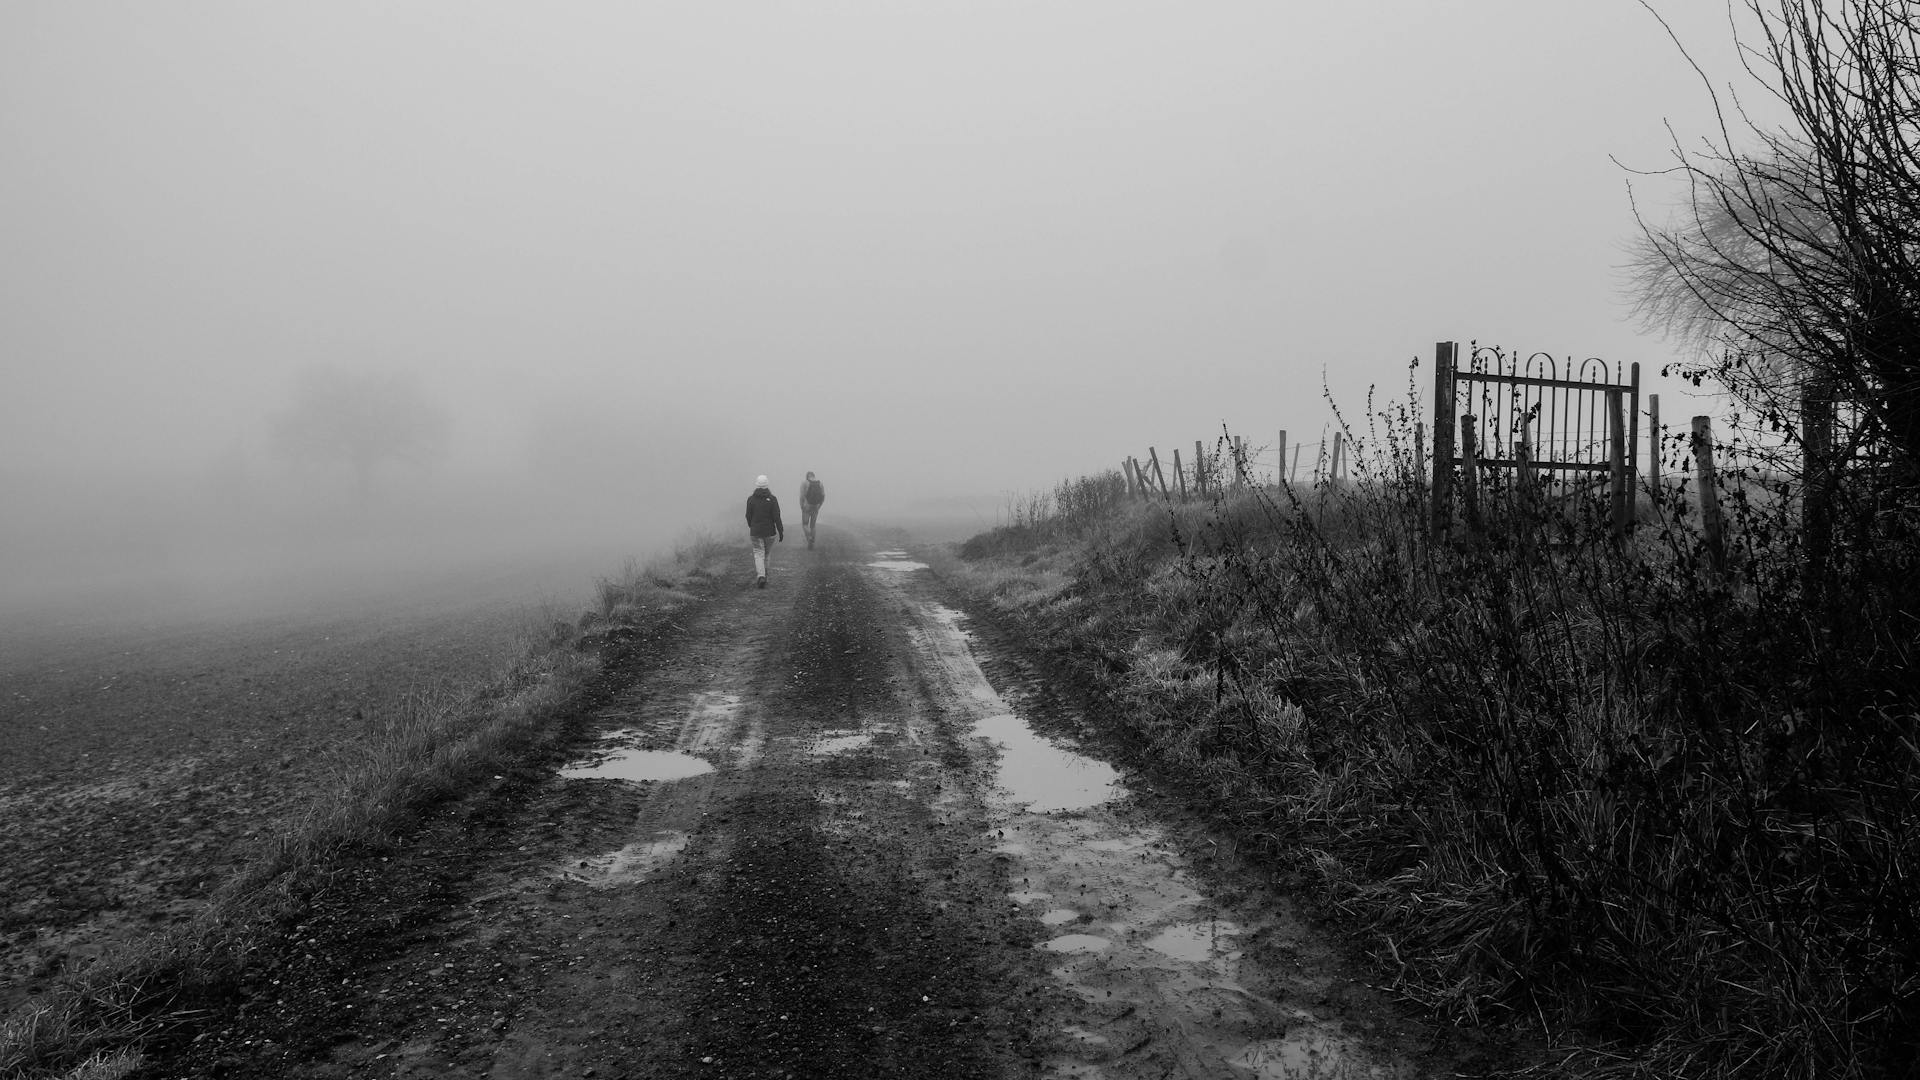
1655	484
1816	482
1709	492
1470	471
1620	491
1179	476
1633	445
1239	462
1336	469
1529	476
1528	519
1443	360
1199	468
1280	473
1126	466
1159	478
1419	450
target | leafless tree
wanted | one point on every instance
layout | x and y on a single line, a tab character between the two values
1793	266
362	419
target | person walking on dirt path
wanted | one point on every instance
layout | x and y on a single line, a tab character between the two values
763	524
812	494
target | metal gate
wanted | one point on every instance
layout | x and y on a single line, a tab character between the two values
1546	426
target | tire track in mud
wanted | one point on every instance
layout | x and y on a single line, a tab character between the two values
1170	974
842	890
818	903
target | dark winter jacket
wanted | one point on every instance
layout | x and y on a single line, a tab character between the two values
763	514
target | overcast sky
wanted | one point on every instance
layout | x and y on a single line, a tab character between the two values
951	248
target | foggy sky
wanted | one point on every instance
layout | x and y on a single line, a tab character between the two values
930	250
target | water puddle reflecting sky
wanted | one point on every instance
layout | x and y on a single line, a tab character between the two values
1196	942
1077	943
1041	775
640	765
840	744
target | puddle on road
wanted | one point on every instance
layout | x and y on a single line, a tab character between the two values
1312	1053
947	618
1197	942
640	765
898	564
1042	776
627	865
840	744
1127	927
1077	943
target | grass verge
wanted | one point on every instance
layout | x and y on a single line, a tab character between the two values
1661	817
90	1024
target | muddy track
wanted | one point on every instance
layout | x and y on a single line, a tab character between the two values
818	866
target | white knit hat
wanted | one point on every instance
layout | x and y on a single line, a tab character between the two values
760	481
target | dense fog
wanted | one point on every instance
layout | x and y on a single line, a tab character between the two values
317	294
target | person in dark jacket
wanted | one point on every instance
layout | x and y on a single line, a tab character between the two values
812	494
763	524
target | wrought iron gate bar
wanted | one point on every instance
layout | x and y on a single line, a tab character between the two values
1529	380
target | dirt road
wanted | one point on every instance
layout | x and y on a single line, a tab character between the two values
838	851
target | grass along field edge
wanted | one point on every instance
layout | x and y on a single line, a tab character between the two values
90	1023
1583	794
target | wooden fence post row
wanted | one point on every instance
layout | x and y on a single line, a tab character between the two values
1232	470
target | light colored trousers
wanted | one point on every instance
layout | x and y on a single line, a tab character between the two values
762	554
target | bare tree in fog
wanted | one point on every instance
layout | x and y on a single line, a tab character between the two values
1795	268
361	419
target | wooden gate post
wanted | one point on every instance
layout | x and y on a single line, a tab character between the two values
1443	360
1469	471
1709	492
1617	455
1529	476
1633	444
1655	484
